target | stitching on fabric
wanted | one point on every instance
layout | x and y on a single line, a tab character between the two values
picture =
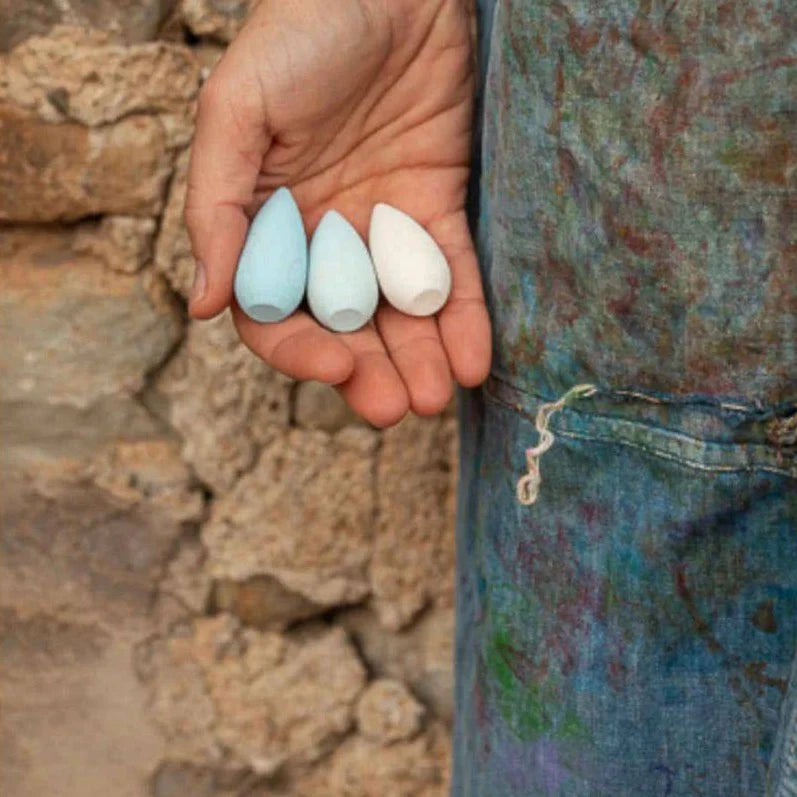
686	462
781	409
656	400
653	450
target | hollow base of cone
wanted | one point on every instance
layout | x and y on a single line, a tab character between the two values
427	303
347	320
265	313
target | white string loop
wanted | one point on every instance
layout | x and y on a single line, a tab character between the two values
528	486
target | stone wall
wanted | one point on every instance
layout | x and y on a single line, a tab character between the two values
214	581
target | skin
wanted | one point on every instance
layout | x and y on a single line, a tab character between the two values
370	102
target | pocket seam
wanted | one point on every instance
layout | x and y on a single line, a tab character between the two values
570	423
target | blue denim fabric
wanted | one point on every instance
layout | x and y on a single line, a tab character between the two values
634	631
631	633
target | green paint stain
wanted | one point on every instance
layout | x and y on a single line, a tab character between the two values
572	728
521	705
528	709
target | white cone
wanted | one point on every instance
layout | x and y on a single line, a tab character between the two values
412	270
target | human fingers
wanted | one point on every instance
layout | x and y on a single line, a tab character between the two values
298	347
417	352
374	390
464	323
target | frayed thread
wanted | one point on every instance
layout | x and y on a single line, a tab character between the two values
528	486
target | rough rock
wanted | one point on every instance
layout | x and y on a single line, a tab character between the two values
263	602
75	556
387	712
39	440
181	779
234	696
217	19
422	656
53	172
361	768
303	515
149	473
127	20
71	708
122	243
187	579
71	331
223	400
81	75
173	256
413	560
320	406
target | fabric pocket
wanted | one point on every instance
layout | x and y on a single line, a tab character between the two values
633	631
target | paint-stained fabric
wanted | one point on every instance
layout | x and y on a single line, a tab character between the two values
634	631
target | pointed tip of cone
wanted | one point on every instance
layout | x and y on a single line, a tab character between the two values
381	210
284	195
335	215
334	219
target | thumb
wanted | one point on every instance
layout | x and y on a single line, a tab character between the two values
229	144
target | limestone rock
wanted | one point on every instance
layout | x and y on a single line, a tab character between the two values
387	712
73	555
181	779
173	256
179	129
127	20
320	406
361	768
83	76
303	515
241	697
149	473
74	720
217	19
73	332
187	579
39	440
263	602
413	559
122	243
53	172
422	656
223	400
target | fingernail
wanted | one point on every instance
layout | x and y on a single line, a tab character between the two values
200	283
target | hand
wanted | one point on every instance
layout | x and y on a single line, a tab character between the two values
348	103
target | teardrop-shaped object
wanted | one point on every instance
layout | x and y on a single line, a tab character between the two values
412	270
272	269
341	284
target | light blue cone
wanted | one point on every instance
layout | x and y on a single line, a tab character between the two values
341	285
272	269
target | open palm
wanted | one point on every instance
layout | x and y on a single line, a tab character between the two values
349	104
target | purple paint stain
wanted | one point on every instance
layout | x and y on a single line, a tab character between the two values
551	771
530	768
